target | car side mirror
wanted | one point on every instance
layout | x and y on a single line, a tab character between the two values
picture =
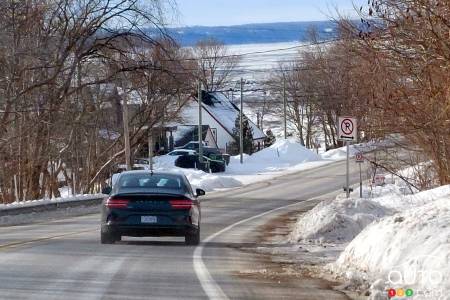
200	192
107	190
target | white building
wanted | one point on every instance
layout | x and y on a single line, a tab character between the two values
220	115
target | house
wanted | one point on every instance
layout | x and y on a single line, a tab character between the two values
220	114
186	133
218	121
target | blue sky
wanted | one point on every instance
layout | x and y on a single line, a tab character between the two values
234	12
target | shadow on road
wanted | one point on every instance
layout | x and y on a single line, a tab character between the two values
153	243
207	245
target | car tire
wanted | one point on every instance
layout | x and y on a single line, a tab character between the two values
107	238
192	238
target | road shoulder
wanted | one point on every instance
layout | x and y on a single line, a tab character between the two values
284	262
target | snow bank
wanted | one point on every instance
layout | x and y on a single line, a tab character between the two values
32	203
164	161
206	181
393	196
392	239
337	221
284	151
408	250
283	154
284	157
341	153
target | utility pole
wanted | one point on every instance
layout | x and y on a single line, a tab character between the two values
150	147
126	132
347	176
360	181
258	120
284	107
263	111
200	131
241	129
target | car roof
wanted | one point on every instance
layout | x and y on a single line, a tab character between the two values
149	172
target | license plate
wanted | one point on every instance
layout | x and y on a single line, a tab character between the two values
149	219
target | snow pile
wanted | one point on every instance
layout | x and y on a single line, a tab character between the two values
165	161
339	153
284	151
408	250
33	203
206	181
337	221
393	239
393	196
281	155
284	157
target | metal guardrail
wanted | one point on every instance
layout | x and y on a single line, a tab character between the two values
56	205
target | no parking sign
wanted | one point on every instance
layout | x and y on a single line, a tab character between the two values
359	157
347	129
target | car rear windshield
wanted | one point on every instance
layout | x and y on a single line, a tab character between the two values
149	181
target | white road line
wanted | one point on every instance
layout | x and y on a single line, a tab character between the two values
210	287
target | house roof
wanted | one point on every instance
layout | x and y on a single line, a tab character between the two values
225	112
186	133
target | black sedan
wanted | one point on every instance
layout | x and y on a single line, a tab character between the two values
144	203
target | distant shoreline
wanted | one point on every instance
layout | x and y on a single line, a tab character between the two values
262	33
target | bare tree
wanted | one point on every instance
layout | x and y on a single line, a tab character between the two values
59	70
408	48
215	64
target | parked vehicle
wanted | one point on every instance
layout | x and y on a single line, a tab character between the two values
215	154
193	145
143	203
182	152
208	164
212	154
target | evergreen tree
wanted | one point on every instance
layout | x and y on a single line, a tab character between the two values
270	138
248	137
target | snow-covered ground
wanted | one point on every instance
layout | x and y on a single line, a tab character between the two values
283	157
32	203
390	239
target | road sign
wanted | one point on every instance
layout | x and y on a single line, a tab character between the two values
379	180
347	129
359	157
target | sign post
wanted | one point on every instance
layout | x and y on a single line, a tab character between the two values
347	132
360	159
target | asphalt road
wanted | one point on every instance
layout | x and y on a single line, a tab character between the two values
64	259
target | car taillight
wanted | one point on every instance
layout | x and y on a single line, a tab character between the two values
116	203
181	204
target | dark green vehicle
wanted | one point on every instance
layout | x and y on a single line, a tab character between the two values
143	203
208	164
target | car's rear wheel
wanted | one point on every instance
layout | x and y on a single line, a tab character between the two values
192	238
109	238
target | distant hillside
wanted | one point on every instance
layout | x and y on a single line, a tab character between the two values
254	33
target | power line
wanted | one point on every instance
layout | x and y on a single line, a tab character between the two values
252	52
